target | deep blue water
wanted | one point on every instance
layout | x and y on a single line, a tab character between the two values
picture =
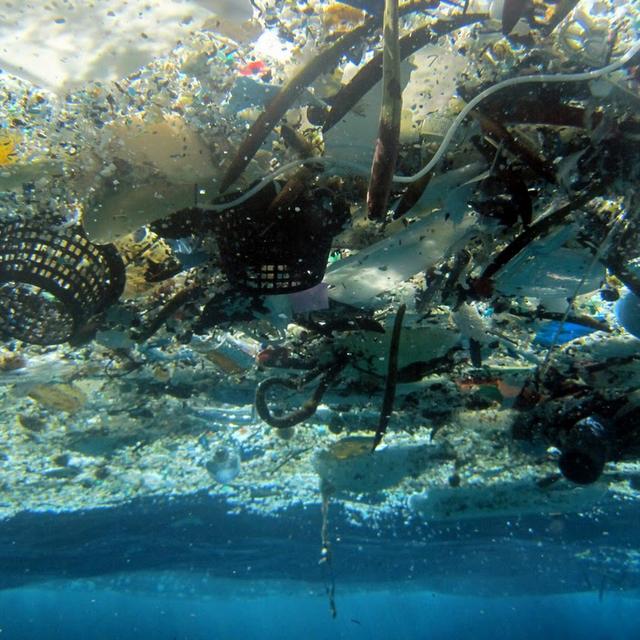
67	614
186	569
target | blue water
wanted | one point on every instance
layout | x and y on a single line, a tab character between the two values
67	614
184	568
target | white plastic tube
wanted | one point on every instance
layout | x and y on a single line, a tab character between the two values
544	78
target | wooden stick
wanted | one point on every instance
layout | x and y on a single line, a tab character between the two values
517	145
170	308
367	77
538	229
324	62
387	145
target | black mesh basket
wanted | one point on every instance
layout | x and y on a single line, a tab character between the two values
52	281
283	251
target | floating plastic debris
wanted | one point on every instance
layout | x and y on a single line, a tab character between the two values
237	364
383	266
224	465
54	281
628	313
555	332
8	149
59	397
586	448
255	68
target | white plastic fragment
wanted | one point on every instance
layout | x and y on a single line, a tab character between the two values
470	323
551	270
224	466
102	40
385	264
628	313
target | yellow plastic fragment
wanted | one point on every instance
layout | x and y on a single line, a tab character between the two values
59	397
340	17
350	447
8	148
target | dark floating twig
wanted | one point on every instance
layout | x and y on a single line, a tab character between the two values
504	195
547	108
419	369
327	327
412	195
517	145
282	101
585	321
371	73
385	155
288	420
475	352
561	11
296	141
392	378
292	456
537	229
298	183
512	11
291	191
170	308
324	62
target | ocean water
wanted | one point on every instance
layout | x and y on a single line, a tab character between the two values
187	569
61	612
187	424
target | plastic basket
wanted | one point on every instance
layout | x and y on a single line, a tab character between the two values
52	281
279	252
